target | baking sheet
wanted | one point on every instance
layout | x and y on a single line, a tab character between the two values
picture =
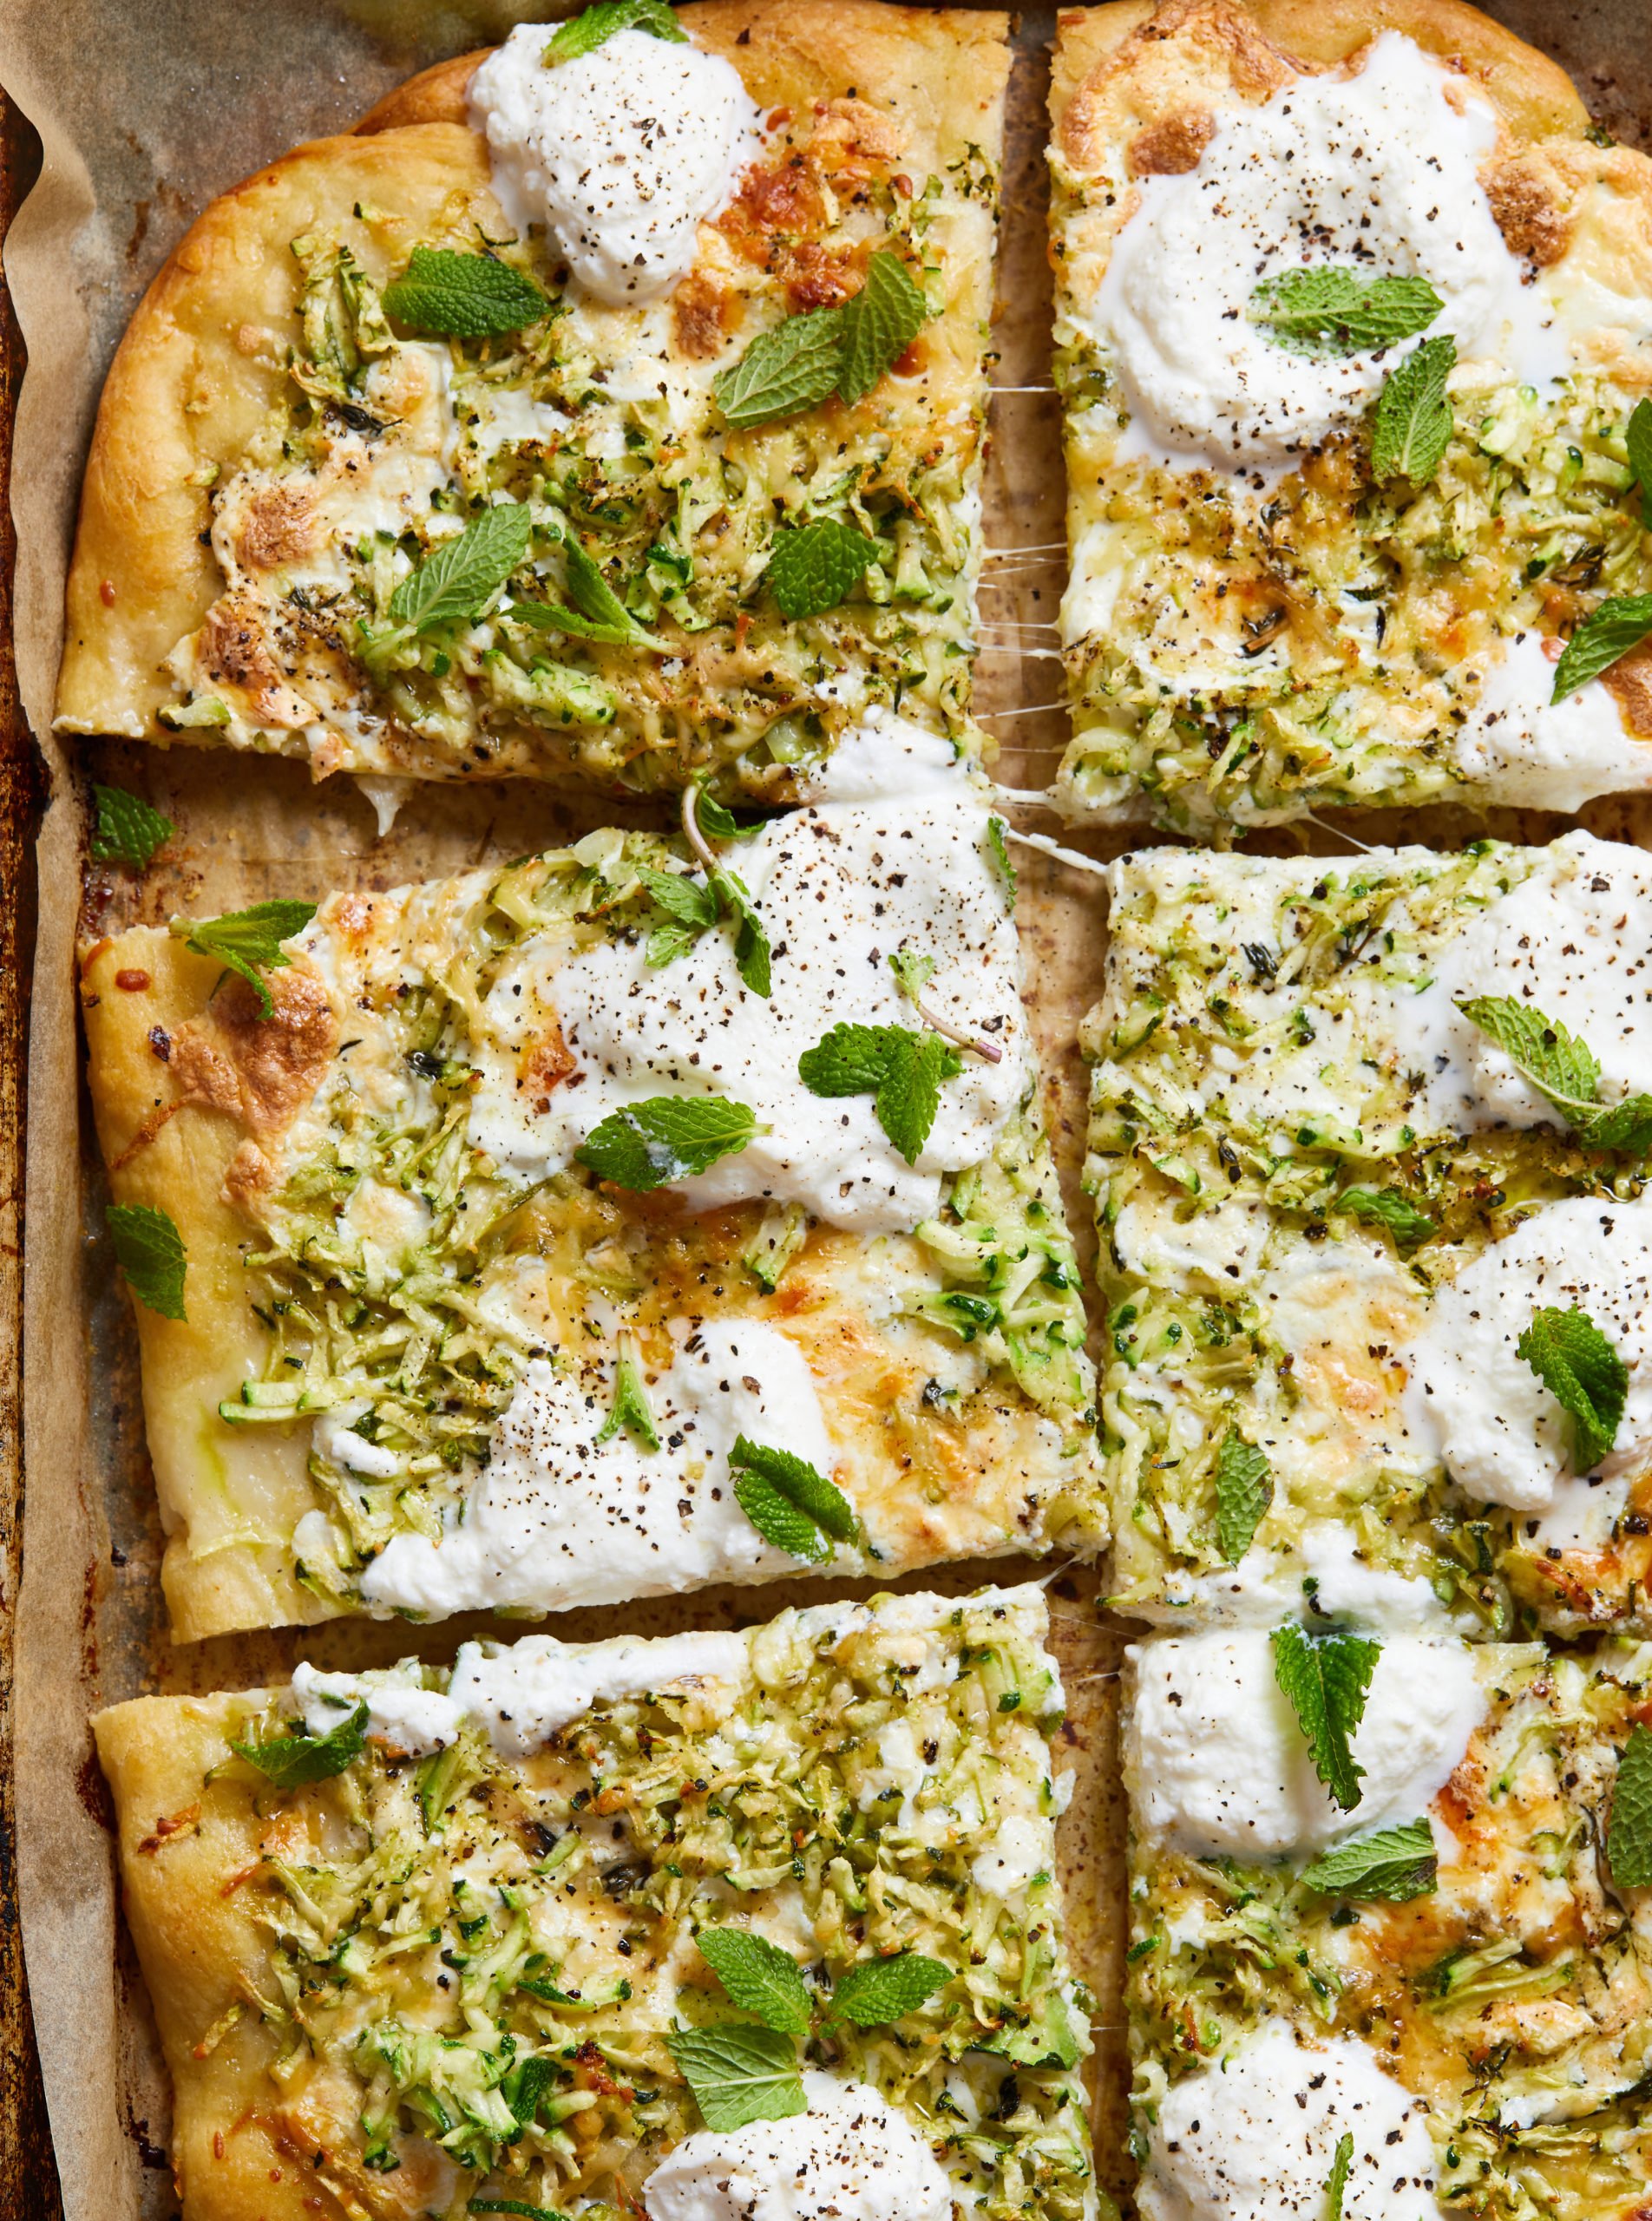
144	113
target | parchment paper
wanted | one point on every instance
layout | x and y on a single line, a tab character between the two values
145	112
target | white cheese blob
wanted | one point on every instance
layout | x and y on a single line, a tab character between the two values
885	755
1220	1767
851	2157
1321	1577
840	889
1018	1849
620	153
1500	1433
1254	2138
1519	746
1376	172
400	1710
1574	943
558	1519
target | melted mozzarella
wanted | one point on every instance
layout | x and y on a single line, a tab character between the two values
883	756
1500	1433
620	153
1253	2138
851	2157
1523	748
1378	172
1220	1765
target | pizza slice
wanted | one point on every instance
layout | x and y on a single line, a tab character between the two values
1421	1987
652	1213
1351	329
620	1929
1369	1146
609	406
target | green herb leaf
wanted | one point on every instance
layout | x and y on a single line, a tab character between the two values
1397	1863
687	900
998	842
902	1068
790	367
1620	623
454	582
630	1408
291	1760
128	830
1333	310
1339	2182
913	971
150	1252
718	823
470	295
1325	1679
879	323
694	909
813	567
1387	1206
751	949
739	2074
248	941
1629	1838
582	34
789	1504
759	1978
1584	1373
666	1137
881	1990
1244	1491
604	615
1414	421
1565	1070
1638	440
778	1520
519	2207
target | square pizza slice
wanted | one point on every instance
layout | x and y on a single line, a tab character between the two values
609	406
1428	1980
619	1221
632	1927
1369	1145
1352	315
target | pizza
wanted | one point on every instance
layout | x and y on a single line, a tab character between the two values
575	1927
484	1231
609	406
1368	1146
1430	1985
1352	321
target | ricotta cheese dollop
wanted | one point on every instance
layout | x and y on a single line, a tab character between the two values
1253	2138
851	2157
558	1518
619	155
1376	172
1220	1767
1499	1431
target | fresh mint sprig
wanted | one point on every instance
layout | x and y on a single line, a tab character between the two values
248	942
739	2074
1565	1070
789	1503
458	579
1330	309
812	568
1396	1864
469	296
1584	1374
1604	638
1244	1491
583	34
901	1069
803	361
1325	1679
630	1409
666	1137
128	830
1628	1836
150	1252
1637	440
290	1761
1413	426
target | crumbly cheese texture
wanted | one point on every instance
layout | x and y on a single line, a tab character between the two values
1497	2017
1253	619
1330	1205
439	1959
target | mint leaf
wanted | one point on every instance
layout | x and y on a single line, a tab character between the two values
1584	1373
902	1068
1244	1491
1556	1062
472	296
1338	2181
603	615
913	972
150	1252
879	323
998	844
290	1761
778	1520
1333	310
1385	1207
792	367
454	582
759	1978
739	2074
1638	440
812	566
1625	1126
720	824
248	941
881	1990
789	1504
583	34
681	898
1412	428
1629	1838
1397	1863
667	1137
1325	1679
694	909
752	950
1620	623
630	1408
127	831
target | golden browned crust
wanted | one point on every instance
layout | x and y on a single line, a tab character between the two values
202	363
